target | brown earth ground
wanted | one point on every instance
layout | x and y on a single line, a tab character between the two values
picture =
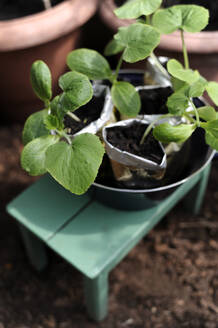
169	280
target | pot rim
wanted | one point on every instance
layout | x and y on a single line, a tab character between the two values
210	156
45	26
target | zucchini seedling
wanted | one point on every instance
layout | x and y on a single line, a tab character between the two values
187	83
73	162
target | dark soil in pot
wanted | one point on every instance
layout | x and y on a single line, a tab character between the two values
211	5
128	139
87	114
154	100
10	9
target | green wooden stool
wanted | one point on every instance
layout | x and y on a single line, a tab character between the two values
92	237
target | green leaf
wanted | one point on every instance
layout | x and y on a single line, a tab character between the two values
211	140
176	69
168	133
190	18
34	154
90	63
137	8
126	98
139	41
40	76
75	166
177	103
207	113
113	48
51	122
212	128
167	20
197	88
77	91
212	90
34	126
177	84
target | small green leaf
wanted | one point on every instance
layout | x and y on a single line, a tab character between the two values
51	122
177	84
34	154
197	88
190	18
137	8
139	41
212	128
177	103
41	80
212	90
34	126
211	140
126	98
90	63
75	166
176	69
165	132
113	48
207	113
77	91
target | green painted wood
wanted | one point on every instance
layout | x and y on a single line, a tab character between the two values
193	201
35	249
96	296
45	207
99	237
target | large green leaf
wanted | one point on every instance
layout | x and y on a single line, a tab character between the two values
34	154
212	90
34	126
126	98
197	88
139	41
77	91
176	69
190	18
90	63
137	8
165	132
113	48
177	103
41	80
75	166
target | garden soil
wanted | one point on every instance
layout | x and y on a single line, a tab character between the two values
169	280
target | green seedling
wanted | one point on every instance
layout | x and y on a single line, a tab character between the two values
73	162
187	83
135	42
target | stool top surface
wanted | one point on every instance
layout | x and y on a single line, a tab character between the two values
89	235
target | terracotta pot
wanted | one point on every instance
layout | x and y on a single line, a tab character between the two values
203	46
49	35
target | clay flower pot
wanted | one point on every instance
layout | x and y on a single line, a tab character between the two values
202	47
49	35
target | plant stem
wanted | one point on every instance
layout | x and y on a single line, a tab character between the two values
196	113
73	116
118	68
191	119
150	127
185	53
159	65
47	4
64	134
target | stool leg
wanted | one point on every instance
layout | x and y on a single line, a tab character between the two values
35	249
96	296
194	199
